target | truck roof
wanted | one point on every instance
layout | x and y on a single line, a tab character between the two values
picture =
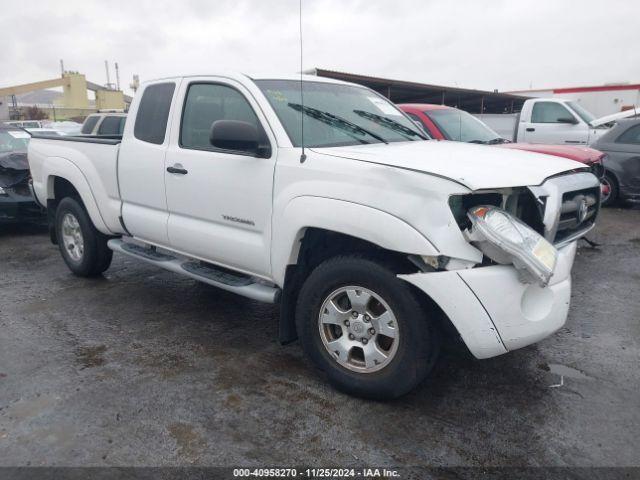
263	76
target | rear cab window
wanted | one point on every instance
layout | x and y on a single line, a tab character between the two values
89	124
113	125
153	113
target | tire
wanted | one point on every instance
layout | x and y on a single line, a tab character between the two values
83	248
611	181
416	341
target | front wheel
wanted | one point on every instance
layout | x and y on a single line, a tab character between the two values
365	328
83	248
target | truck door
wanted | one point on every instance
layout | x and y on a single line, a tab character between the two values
552	122
141	165
219	201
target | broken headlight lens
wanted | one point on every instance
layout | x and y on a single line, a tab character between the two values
505	239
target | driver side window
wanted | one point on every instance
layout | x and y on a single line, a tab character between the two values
549	112
206	103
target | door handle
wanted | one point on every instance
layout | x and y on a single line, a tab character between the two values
531	129
177	169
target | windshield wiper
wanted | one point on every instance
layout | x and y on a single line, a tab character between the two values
389	123
496	141
335	121
493	141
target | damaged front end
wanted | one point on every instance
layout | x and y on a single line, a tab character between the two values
16	201
525	226
518	291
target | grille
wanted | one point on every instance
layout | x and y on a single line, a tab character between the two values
570	204
578	213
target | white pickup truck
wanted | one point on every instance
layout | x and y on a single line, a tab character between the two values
378	245
550	120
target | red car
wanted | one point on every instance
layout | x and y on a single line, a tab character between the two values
448	123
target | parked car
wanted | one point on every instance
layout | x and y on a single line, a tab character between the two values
373	240
104	124
66	127
448	123
25	123
16	202
554	121
622	168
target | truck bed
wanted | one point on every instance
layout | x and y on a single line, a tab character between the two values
92	160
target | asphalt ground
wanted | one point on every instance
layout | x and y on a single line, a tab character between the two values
147	368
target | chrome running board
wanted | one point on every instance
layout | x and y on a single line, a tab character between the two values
222	278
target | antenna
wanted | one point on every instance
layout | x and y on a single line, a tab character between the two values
303	157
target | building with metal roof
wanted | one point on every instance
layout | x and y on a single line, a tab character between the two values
401	91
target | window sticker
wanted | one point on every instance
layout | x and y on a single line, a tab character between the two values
277	95
384	106
18	134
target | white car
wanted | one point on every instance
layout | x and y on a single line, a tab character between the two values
25	123
374	241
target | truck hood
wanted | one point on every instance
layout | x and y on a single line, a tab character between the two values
572	152
632	112
474	166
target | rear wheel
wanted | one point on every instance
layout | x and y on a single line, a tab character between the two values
610	194
83	248
365	328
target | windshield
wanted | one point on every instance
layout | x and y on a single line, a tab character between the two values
337	115
460	126
585	115
13	141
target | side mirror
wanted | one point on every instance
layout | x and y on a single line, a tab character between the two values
570	120
237	136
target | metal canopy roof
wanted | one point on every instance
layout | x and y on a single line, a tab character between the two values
400	91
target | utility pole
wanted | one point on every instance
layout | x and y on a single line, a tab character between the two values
117	77
106	66
135	84
61	67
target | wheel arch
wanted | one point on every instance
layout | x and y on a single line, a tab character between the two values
63	178
318	228
366	224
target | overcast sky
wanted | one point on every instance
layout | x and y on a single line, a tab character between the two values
506	45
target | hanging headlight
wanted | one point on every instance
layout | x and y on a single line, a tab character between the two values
505	239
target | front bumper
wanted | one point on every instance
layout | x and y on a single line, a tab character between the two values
493	311
16	207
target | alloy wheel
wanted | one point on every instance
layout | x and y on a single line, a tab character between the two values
358	329
72	238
